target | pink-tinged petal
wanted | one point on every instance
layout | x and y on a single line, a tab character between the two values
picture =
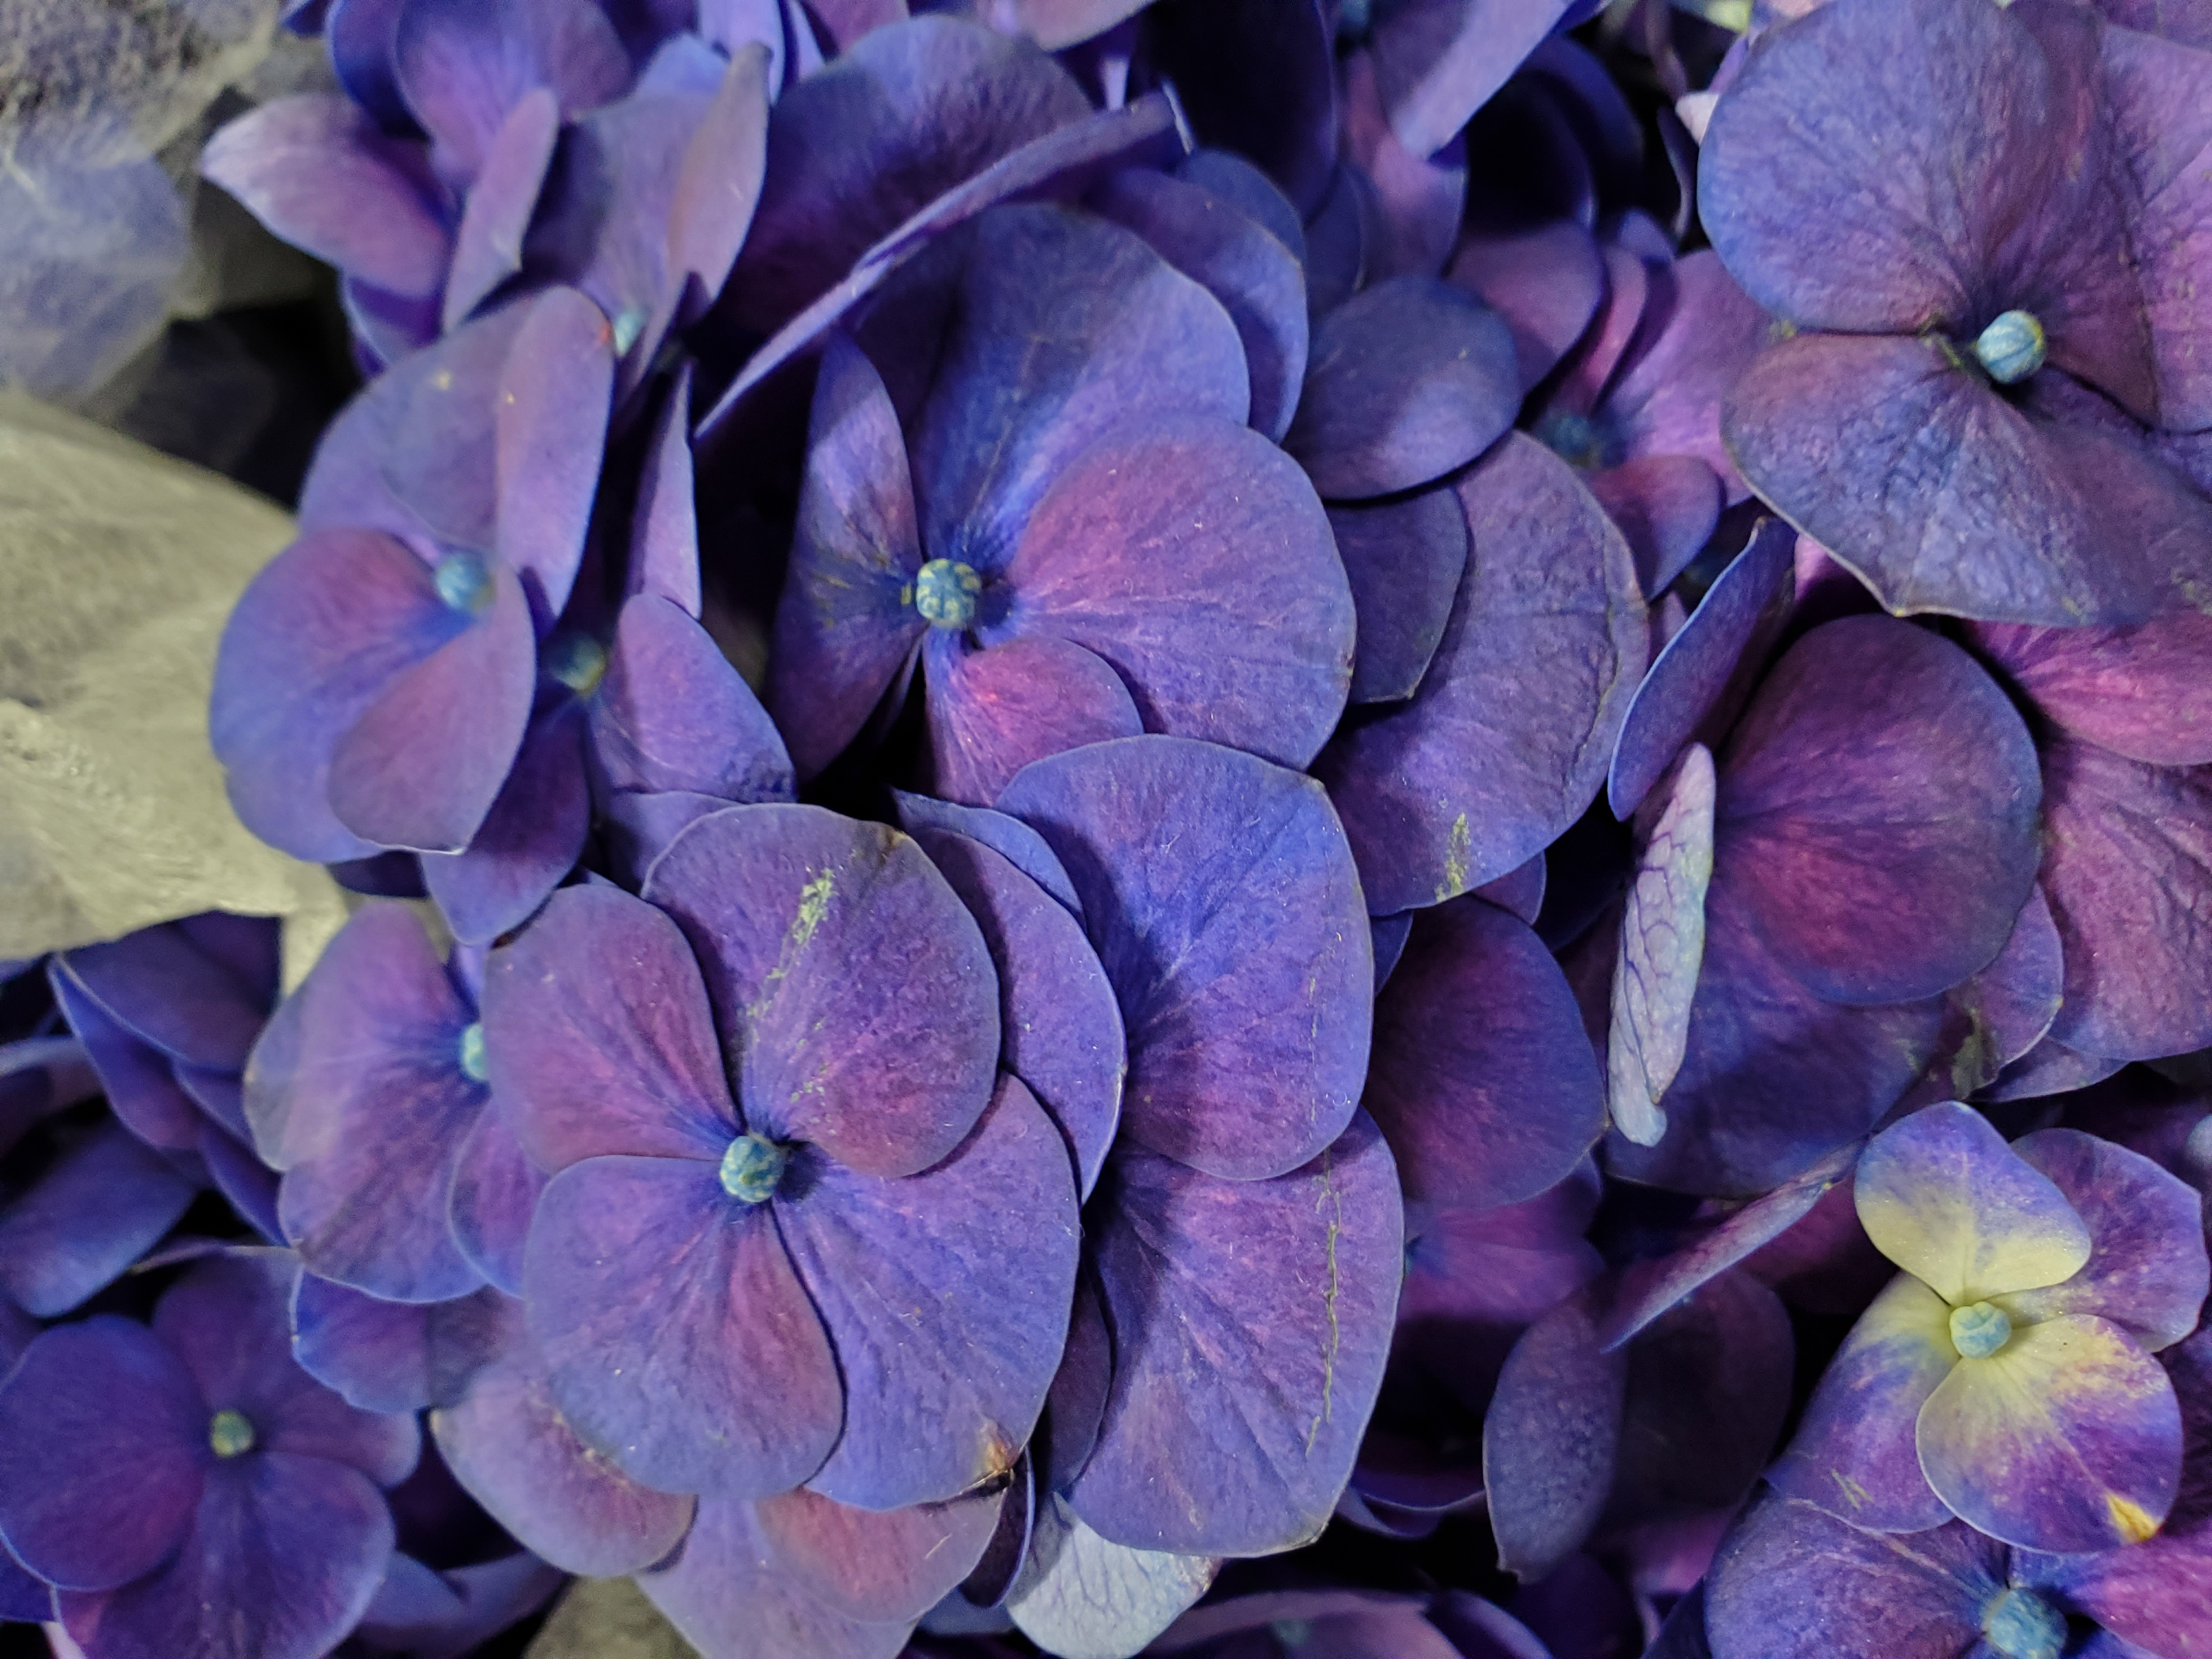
728	1593
2068	1438
678	1338
462	65
1941	1195
102	1453
2138	691
423	765
91	1213
528	840
494	214
1058	1024
1552	1437
2158	96
2126	868
1125	535
1256	278
2002	1013
1547	283
2147	1271
1700	331
1667	506
391	1356
993	711
1408	381
876	1567
317	638
1081	1593
1404	559
1854	1455
585	1062
1283	1291
1482	1080
947	1306
507	1445
1884	841
1793	1581
551	429
1662	946
1467	779
846	619
885	1071
1591	368
1222	902
315	170
496	1189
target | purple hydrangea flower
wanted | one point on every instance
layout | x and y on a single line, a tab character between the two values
187	1489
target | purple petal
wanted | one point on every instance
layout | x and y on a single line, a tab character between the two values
1440	60
1080	1592
1125	534
1420	200
993	711
1009	837
885	1071
315	170
673	715
488	245
1281	1293
1855	1455
463	66
1667	506
718	188
92	1213
2147	1271
2137	691
1699	332
2157	96
846	621
665	528
1058	1023
1223	902
587	1063
1922	806
2035	520
530	838
876	1567
218	1584
229	1319
947	1309
1590	369
1467	779
728	1593
551	428
1407	382
2124	869
2002	1013
1482	1082
391	1356
1065	328
1663	945
422	765
169	989
102	1453
1792	1581
508	1445
1551	1439
496	1189
1546	283
1259	80
140	1084
1405	559
678	1338
2068	1438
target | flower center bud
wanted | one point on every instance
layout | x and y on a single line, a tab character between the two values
463	582
1978	1331
1575	439
2011	348
944	592
472	1053
2021	1625
752	1168
577	661
230	1434
1291	1632
630	323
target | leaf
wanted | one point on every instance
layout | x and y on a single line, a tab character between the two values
606	1618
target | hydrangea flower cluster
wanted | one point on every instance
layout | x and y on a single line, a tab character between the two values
1211	828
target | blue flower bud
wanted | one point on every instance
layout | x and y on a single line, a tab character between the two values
1980	1330
944	592
2011	348
752	1168
230	1434
2021	1625
463	582
576	660
1576	439
472	1053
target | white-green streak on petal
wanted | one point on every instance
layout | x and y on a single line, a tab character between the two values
1663	943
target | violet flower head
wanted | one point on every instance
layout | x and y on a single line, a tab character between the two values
2005	1377
186	1488
788	1087
2011	205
